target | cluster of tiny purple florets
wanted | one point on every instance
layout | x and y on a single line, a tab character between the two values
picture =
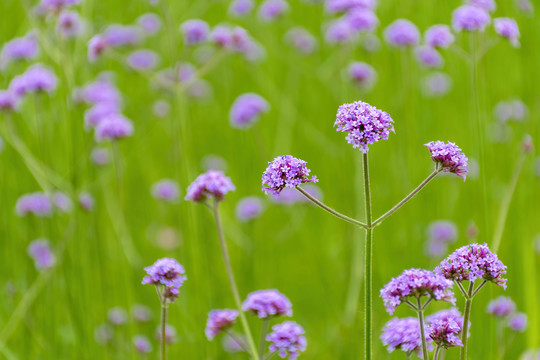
501	307
403	334
219	321
168	274
212	183
285	171
472	262
365	124
287	339
444	333
416	283
449	156
267	303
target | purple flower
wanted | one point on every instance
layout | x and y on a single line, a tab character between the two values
170	334
362	74
440	233
117	316
40	251
270	10
445	315
96	47
121	35
472	262
100	111
212	184
416	283
488	5
436	84
150	23
302	40
195	31
69	24
439	36
141	313
113	127
86	201
510	110
247	109
444	333
219	321
101	91
335	6
470	18
249	208
285	171
508	28
339	32
222	36
240	8
403	334
501	307
287	339
402	33
142	344
56	5
361	19
364	124
8	101
518	322
100	156
449	157
36	79
21	48
38	204
166	190
143	60
267	303
168	275
428	56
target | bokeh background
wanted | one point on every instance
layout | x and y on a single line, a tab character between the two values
298	249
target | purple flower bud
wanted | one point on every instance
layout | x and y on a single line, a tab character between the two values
404	334
21	48
86	201
249	208
100	111
270	10
212	184
170	334
69	24
518	322
285	171
101	91
439	36
470	18
168	275
488	5
113	127
302	40
436	84
402	33
247	109
267	303
100	156
142	344
96	47
339	32
361	19
287	339
38	79
121	35
143	60
449	157
117	316
141	313
219	321
166	190
507	27
239	8
8	101
40	251
37	204
150	23
428	56
501	307
362	74
195	31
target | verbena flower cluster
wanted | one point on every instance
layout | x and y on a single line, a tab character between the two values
440	234
219	321
285	171
449	156
267	303
444	333
168	275
212	184
246	110
166	190
287	339
40	251
501	307
403	334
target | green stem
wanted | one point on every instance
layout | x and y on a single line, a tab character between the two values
420	313
163	331
466	317
437	352
262	343
368	278
234	288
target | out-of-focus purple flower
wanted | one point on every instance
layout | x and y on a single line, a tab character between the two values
38	204
428	56
222	36
247	109
56	5
239	8
61	201
287	339
150	23
270	10
362	74
166	190
531	354
195	31
69	24
527	7
96	47
416	283
336	6
472	262
121	35
518	322
100	156
168	275
501	307
285	171
170	334
117	316
142	344
37	78
219	321
212	184
440	233
470	18
403	334
100	91
214	162
488	5
402	33
8	101
86	201
439	36
199	89
103	334
98	112
444	333
339	32
361	19
449	157
141	313
249	208
20	48
234	344
267	303
40	251
302	40
436	84
364	124
143	59
444	315
161	108
113	127
508	28
510	110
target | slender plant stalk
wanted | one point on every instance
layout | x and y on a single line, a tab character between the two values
262	343
420	312
240	342
408	197
163	331
368	278
437	352
234	288
466	317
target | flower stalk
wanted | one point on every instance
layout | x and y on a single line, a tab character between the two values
368	278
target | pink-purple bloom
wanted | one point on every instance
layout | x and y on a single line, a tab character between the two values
444	333
36	79
302	40
403	334
270	10
61	201
240	8
336	6
170	334
117	316
141	313
249	208
361	19
440	233
98	112
285	171
69	24
143	59
402	33
470	18
339	32
488	5
195	31
142	344
507	28
362	74
168	275
212	184
428	56
416	283
501	307
20	48
97	45
287	339
100	156
219	321
364	124
449	157
8	101
518	322
150	23
439	36
113	127
86	201
166	190
56	5
246	110
267	303
40	251
116	35
38	204
100	91
436	84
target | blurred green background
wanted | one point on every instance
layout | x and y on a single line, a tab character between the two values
298	249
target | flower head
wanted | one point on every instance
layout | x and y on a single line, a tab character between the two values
361	19
143	59
113	127
40	251
472	262
121	35
336	6
69	24
403	334
218	321
141	313
302	40
100	156
508	28
142	344
287	339
213	184
21	48
8	101
246	110
402	33
365	124
38	78
428	56
470	18
501	307
267	303
61	201
449	157
166	190
444	333
240	8
38	204
285	171
249	208
167	274
150	23
56	5
439	36
339	32
117	316
518	322
270	10
444	315
96	47
362	74
488	5
195	31
416	283
440	233
436	84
